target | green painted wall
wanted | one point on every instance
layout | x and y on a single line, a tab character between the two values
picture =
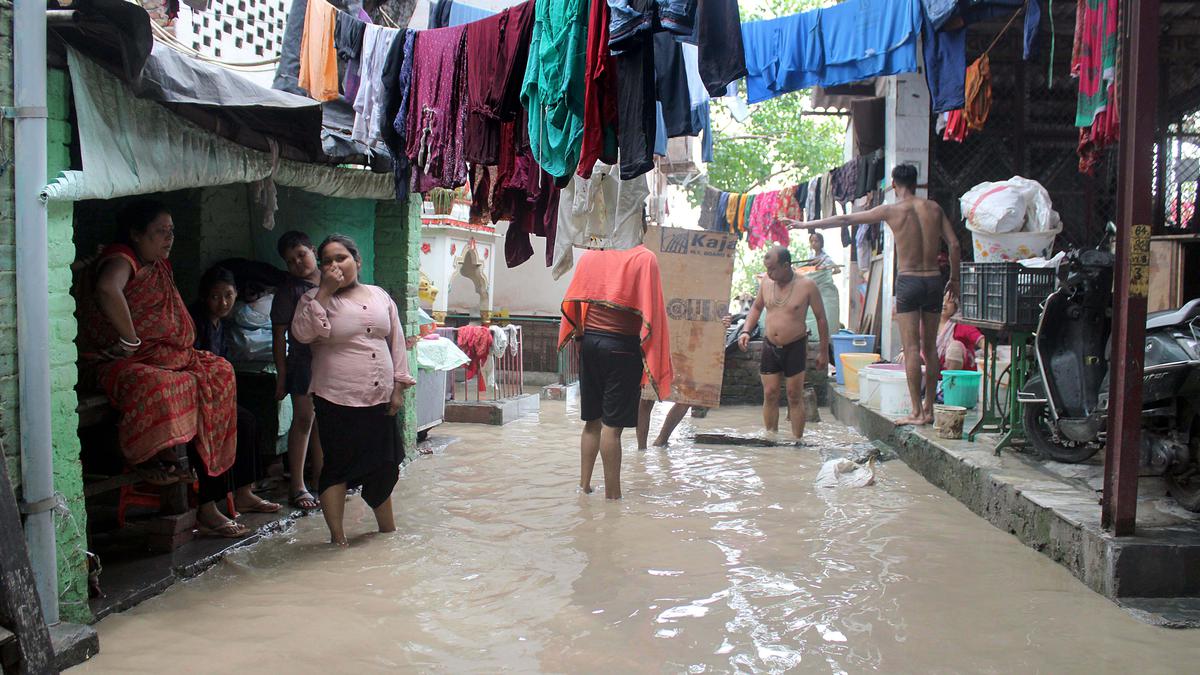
397	270
70	523
318	217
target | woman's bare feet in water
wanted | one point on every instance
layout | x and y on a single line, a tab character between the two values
585	489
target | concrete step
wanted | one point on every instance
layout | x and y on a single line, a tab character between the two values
1055	510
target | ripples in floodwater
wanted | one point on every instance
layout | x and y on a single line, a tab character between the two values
719	559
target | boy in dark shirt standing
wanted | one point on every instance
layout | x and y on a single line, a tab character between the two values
293	362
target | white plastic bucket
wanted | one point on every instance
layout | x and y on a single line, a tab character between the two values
868	388
1013	246
893	393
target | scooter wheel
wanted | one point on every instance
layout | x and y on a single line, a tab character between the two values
1042	438
1185	487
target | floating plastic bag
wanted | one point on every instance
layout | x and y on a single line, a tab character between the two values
845	473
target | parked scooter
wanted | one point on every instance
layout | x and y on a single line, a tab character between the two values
1066	402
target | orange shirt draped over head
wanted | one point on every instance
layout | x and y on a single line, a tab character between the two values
627	280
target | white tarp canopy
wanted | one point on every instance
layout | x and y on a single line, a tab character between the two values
132	146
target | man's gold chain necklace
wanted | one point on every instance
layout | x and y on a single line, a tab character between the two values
777	301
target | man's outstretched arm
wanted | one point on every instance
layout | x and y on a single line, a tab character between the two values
875	215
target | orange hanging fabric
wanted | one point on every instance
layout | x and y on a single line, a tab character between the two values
978	94
318	58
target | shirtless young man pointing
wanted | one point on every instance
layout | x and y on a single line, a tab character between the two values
919	226
787	297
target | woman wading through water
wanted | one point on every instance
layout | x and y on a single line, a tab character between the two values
359	374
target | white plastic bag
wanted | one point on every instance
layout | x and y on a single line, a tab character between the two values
250	335
994	208
845	473
1040	215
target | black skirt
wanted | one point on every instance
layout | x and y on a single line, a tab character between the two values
362	447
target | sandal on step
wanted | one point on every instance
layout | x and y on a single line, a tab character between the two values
300	499
154	473
229	529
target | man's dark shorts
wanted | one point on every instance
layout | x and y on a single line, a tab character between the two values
790	359
610	378
919	294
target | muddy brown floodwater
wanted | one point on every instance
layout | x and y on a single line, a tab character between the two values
719	559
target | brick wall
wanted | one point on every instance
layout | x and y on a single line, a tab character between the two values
539	341
397	270
742	384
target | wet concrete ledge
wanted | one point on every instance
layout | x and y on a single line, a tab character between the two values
1155	575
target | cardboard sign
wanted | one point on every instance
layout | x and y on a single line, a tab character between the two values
697	272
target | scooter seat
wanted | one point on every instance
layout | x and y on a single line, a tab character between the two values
1173	317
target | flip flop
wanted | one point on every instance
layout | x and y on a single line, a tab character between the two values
304	496
261	506
228	530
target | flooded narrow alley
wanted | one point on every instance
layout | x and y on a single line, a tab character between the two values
719	559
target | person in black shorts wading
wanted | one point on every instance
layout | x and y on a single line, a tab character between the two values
787	297
919	226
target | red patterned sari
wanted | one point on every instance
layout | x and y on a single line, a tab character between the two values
168	393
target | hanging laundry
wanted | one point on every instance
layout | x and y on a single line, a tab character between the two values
731	209
956	126
938	12
789	207
763	224
700	101
783	55
437	109
826	196
671	86
1094	63
678	16
553	88
845	181
978	94
630	24
813	208
393	97
721	54
347	40
599	95
600	212
318	57
368	102
863	39
439	14
498	51
945	67
720	223
399	96
476	343
628	280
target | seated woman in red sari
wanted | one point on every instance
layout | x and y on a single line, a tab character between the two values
138	334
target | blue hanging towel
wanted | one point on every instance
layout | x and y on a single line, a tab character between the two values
946	67
782	55
869	38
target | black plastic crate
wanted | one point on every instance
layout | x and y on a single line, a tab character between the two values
1005	294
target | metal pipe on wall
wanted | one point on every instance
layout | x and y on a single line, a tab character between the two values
33	295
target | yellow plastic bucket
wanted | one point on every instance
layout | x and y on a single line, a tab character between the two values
851	364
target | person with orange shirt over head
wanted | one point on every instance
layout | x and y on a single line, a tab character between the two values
615	307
